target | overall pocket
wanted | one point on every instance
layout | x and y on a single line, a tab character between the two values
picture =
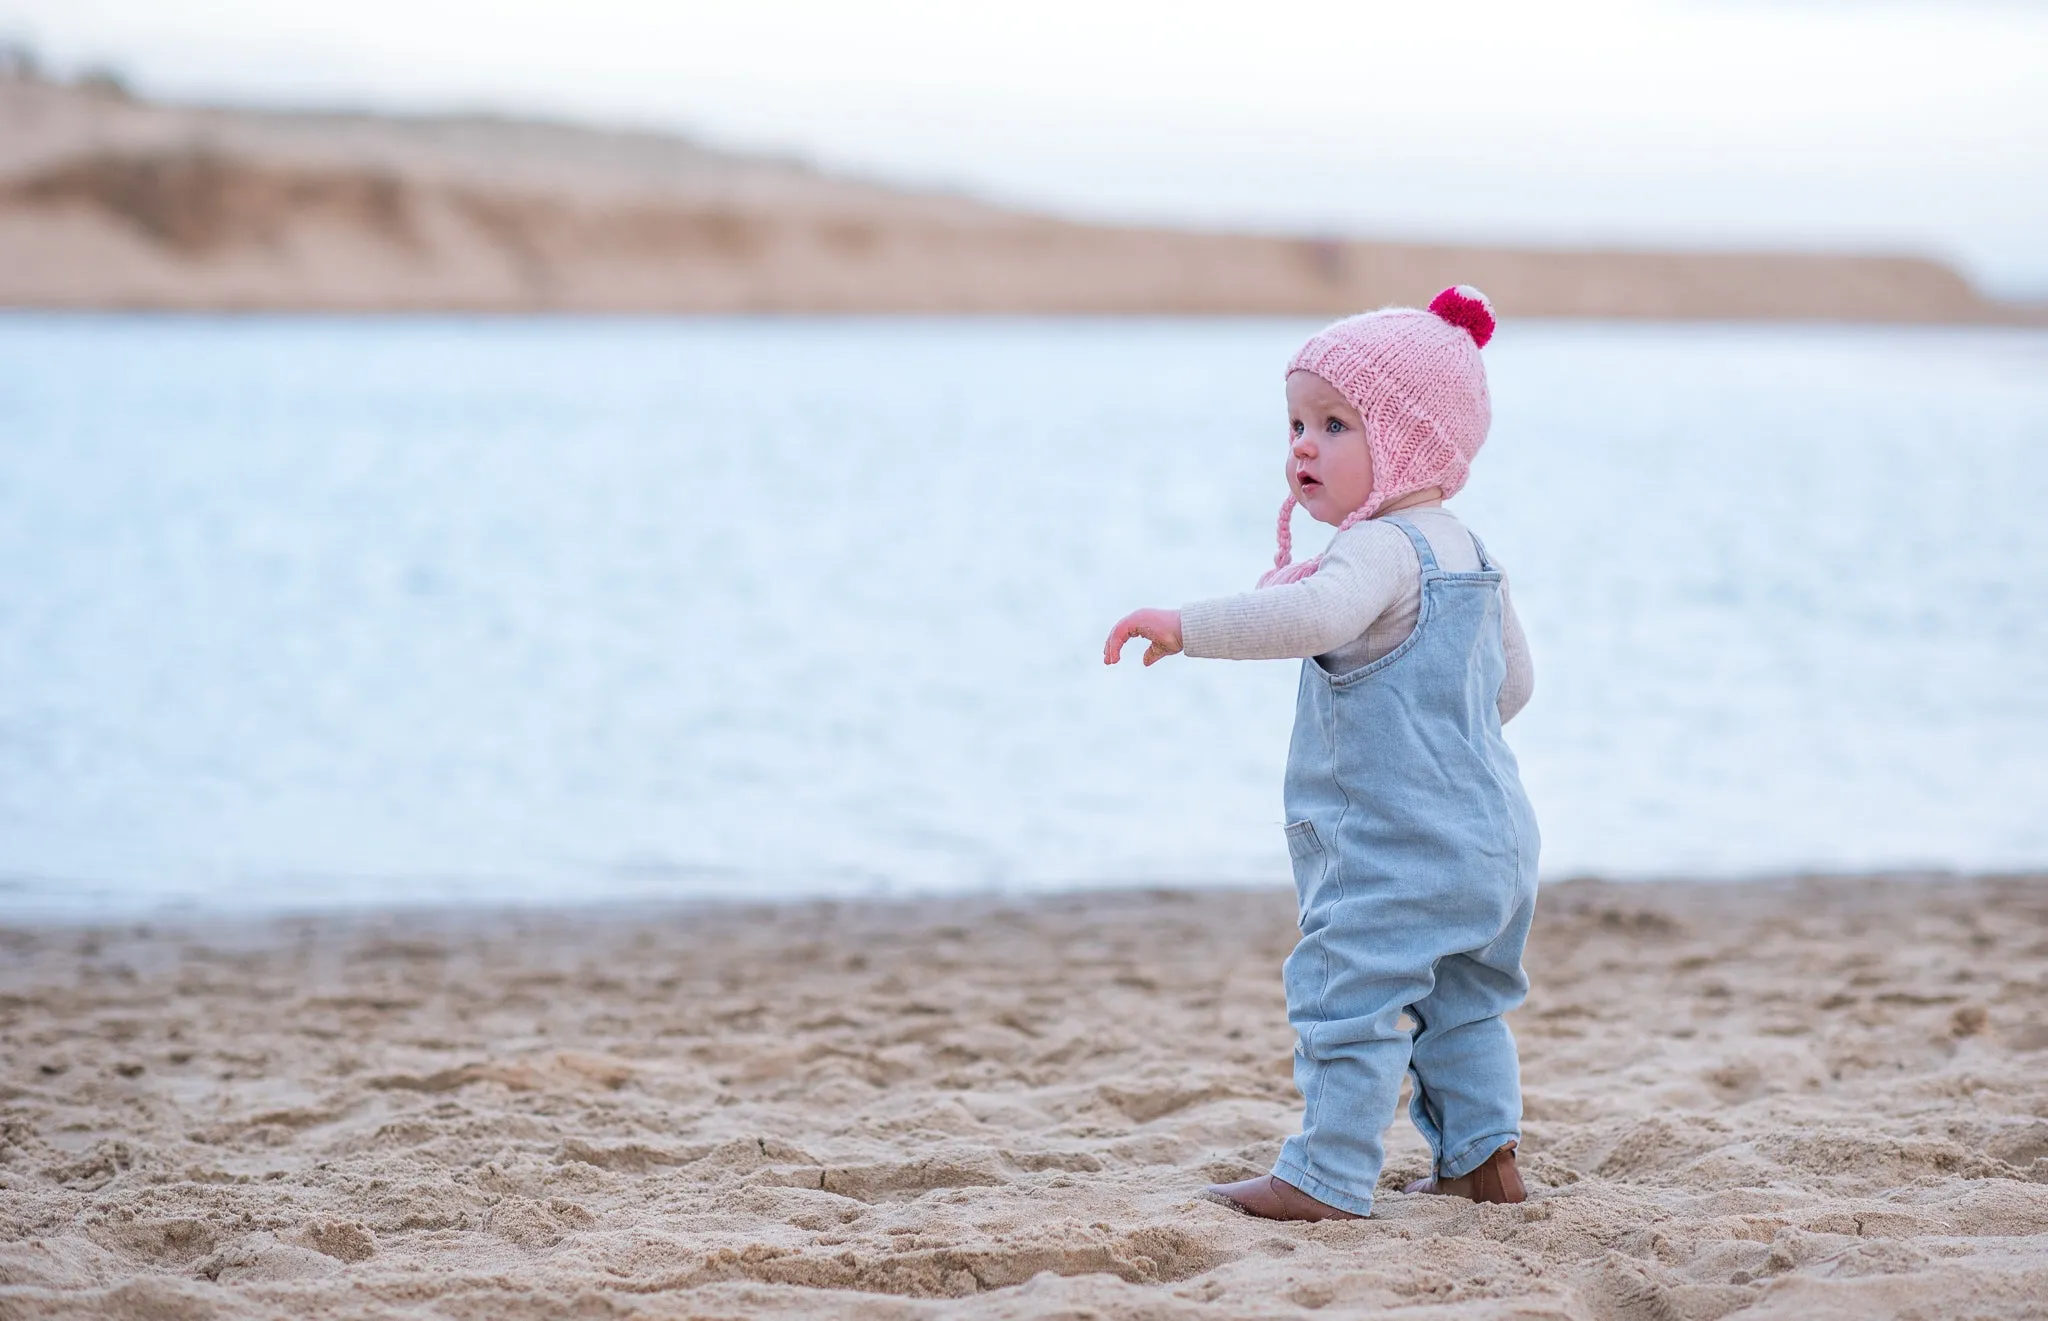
1305	851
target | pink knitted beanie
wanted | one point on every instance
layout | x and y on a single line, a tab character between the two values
1417	382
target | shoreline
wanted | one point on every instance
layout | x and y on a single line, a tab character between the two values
1805	1098
192	914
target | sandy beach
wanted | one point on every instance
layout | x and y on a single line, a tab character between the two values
1817	1098
1824	1098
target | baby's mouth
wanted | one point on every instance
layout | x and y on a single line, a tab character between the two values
1307	483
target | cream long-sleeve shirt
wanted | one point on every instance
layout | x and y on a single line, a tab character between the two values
1360	605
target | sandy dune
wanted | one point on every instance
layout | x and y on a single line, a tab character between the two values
1811	1100
108	202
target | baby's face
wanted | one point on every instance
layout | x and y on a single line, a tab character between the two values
1329	467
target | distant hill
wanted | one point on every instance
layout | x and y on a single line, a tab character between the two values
111	202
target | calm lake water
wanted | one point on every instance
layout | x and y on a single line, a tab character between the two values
300	612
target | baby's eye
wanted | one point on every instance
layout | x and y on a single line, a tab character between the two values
1295	426
1334	425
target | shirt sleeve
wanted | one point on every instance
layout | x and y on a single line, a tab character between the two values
1520	683
1363	574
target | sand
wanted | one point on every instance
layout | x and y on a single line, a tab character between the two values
1814	1099
111	202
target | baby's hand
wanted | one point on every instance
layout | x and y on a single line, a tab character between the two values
1159	627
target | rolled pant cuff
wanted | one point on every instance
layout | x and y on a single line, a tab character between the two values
1474	1154
1323	1191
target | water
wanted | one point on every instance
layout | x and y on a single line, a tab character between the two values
310	612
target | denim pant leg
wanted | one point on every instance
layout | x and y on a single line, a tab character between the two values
1346	988
1467	1081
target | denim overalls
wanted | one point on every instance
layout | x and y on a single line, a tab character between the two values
1414	854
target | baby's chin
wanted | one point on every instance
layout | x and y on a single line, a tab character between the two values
1323	509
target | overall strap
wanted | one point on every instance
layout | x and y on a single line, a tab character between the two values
1422	550
1485	561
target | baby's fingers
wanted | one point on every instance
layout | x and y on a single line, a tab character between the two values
1156	653
1113	650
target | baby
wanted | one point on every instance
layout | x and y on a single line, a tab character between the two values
1413	845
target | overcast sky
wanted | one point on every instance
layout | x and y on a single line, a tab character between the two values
1920	124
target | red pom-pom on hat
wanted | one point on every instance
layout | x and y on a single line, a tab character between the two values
1467	308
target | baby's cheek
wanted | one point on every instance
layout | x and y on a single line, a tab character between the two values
1363	463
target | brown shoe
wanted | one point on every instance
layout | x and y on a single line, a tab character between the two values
1496	1181
1273	1198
